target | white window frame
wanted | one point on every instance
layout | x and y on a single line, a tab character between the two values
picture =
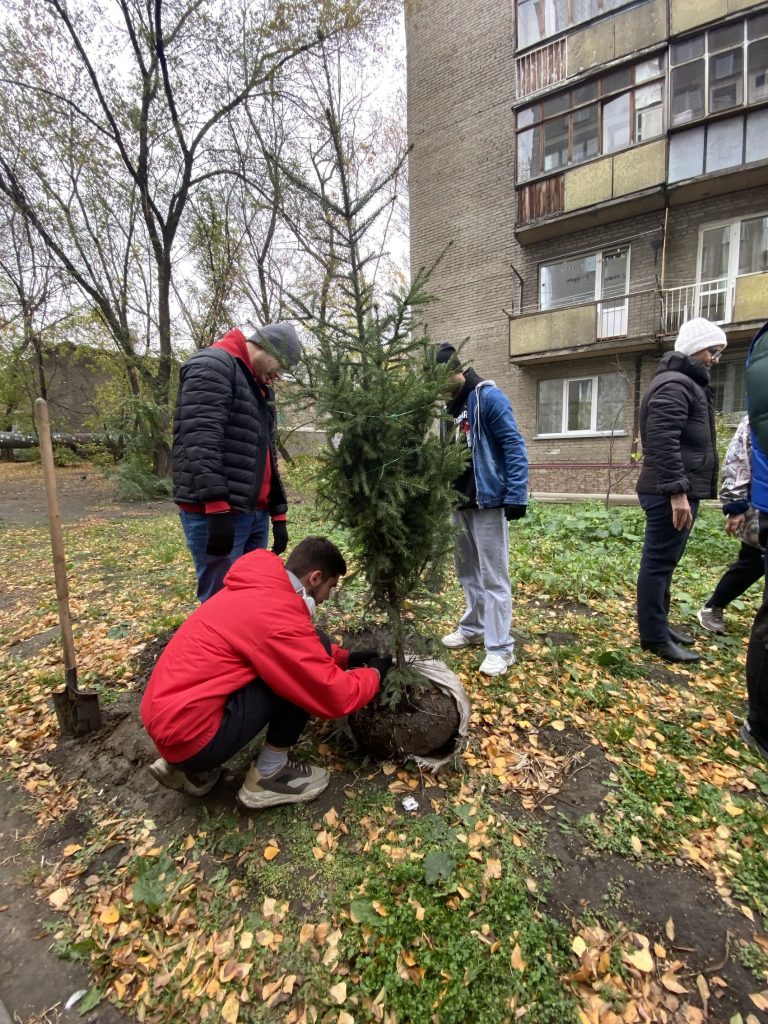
733	258
598	254
564	432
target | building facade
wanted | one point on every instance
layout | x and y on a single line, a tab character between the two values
599	172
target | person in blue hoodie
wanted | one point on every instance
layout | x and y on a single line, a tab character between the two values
493	490
754	730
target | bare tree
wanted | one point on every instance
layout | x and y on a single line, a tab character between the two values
146	125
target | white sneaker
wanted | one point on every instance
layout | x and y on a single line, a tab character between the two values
458	639
194	783
292	784
496	664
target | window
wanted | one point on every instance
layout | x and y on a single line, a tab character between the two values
603	116
728	382
593	276
719	70
539	19
719	146
582	405
727	251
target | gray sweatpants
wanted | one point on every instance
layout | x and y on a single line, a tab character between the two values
482	565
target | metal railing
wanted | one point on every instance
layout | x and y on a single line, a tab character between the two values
541	67
711	299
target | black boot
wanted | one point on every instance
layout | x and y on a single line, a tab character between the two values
679	636
670	651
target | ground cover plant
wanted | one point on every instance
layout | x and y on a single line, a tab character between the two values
597	853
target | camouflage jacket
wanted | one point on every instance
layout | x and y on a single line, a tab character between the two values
737	482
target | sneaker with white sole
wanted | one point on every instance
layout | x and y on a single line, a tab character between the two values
458	639
496	664
711	619
292	784
194	783
751	740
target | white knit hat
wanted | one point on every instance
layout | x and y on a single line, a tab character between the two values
696	335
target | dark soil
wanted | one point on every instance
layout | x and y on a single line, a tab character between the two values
32	979
561	639
421	725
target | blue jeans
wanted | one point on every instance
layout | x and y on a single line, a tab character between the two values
663	548
251	532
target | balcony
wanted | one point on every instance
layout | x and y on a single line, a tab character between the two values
614	187
725	300
541	68
622	323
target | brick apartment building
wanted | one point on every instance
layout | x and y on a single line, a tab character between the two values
601	170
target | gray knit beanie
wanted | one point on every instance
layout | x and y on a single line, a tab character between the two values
281	340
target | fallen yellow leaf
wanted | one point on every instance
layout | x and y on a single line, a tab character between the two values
338	993
516	960
230	1009
270	852
641	959
59	898
672	984
110	915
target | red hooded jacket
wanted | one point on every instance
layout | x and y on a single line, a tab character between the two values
256	626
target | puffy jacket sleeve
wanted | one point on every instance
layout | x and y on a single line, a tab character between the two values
294	664
737	471
500	422
205	405
667	411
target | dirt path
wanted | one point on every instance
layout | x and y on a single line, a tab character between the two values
84	491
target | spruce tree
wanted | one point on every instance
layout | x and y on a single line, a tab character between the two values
386	472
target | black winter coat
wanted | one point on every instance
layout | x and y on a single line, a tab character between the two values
677	430
223	428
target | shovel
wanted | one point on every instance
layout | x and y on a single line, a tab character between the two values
77	711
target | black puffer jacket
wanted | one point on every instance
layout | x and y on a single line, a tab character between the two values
677	430
223	429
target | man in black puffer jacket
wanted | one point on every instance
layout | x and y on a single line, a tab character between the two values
225	476
677	430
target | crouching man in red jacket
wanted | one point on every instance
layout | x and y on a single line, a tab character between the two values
250	658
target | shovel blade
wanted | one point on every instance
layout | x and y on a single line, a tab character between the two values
77	713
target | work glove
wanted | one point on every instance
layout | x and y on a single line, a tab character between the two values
221	533
382	664
279	536
515	511
359	658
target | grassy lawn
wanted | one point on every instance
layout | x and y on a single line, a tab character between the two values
547	875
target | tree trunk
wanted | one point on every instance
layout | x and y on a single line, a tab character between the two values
162	448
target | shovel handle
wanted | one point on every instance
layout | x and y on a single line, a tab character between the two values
57	540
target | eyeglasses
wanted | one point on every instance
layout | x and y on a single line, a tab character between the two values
715	353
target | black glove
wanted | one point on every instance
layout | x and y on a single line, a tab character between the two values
359	658
515	511
382	664
221	533
279	536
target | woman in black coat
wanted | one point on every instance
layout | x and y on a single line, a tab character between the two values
680	467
